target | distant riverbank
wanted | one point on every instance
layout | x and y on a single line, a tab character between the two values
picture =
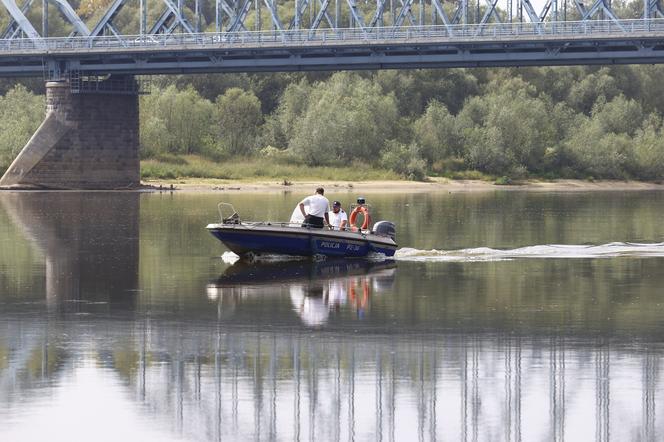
193	173
386	186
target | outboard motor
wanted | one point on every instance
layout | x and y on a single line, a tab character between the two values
386	228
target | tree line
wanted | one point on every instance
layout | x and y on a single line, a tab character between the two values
551	122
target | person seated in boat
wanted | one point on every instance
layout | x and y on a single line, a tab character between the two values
318	205
337	216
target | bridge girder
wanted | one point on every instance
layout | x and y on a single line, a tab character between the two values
196	58
232	15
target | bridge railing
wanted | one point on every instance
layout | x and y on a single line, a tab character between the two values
328	36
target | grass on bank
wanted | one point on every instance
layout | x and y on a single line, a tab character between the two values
252	169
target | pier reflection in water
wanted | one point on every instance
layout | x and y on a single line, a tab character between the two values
89	245
300	350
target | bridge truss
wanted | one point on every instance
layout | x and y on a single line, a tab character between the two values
288	35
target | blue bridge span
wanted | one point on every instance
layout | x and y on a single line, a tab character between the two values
564	43
308	35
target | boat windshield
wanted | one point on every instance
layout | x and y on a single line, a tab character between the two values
296	217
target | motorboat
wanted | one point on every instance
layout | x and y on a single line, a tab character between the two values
256	238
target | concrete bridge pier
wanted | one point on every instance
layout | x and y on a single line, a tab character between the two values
89	138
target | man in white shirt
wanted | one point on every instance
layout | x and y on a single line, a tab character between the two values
317	216
338	218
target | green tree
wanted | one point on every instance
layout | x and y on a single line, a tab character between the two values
649	150
603	146
21	113
347	118
238	115
595	153
404	160
414	89
436	134
584	94
292	105
209	86
619	116
599	154
175	121
508	130
650	82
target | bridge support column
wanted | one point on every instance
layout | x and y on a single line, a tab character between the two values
88	140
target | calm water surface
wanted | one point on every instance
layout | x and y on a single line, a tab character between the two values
505	316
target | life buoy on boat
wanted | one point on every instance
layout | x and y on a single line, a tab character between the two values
353	217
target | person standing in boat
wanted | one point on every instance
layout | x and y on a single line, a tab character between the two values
317	216
337	216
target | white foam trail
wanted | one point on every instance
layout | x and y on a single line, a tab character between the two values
611	250
230	257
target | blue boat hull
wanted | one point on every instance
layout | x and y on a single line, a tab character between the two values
300	241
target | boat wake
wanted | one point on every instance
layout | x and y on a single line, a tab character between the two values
232	258
611	250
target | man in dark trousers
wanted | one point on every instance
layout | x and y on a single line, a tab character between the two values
317	216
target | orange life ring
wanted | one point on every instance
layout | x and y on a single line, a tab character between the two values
353	217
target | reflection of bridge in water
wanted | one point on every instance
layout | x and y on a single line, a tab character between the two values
303	385
222	375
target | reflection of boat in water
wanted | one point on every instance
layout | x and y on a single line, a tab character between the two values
244	237
315	288
267	273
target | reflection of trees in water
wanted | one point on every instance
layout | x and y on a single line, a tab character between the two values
214	382
576	296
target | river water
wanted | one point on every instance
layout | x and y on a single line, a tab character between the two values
505	315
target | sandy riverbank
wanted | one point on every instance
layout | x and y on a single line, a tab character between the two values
437	185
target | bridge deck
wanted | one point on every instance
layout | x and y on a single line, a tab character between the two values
490	44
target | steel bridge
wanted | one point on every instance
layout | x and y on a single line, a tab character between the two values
309	35
100	47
